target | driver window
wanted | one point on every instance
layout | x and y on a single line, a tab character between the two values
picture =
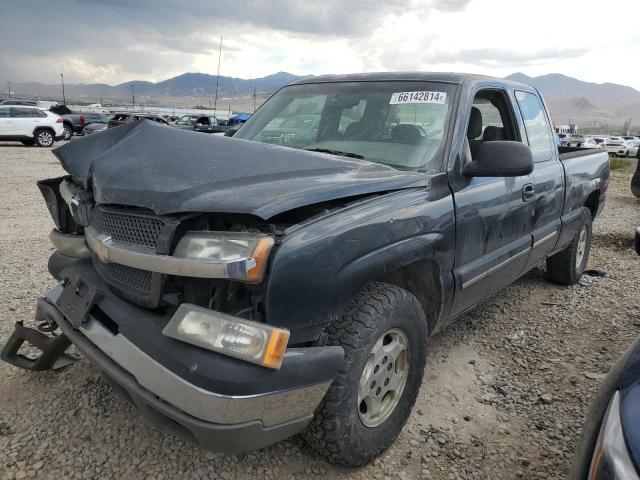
491	119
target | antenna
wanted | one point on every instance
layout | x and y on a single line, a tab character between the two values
215	101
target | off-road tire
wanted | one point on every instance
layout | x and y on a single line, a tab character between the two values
44	137
336	430
562	267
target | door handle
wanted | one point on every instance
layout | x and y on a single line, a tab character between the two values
528	192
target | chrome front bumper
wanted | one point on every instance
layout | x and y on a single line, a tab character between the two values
144	258
270	409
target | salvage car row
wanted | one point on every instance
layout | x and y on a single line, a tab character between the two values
25	122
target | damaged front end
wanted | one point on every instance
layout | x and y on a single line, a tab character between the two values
171	308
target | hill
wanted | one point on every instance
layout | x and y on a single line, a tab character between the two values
585	103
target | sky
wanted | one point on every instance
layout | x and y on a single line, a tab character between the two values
113	41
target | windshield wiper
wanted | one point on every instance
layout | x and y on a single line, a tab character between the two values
335	152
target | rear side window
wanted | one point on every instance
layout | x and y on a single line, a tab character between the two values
536	124
4	113
18	112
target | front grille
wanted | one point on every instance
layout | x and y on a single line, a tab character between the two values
134	228
137	228
128	277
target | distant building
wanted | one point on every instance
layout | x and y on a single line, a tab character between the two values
567	128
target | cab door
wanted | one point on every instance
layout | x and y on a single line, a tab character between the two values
493	214
548	176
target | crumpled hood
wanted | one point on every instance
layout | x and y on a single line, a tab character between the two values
168	170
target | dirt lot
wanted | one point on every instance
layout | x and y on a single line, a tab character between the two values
504	395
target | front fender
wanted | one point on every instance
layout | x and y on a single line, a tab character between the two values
320	266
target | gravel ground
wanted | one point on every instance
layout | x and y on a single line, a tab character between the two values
504	394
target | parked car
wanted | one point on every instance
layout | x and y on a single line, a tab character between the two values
627	137
293	131
75	122
98	125
592	142
123	118
242	292
26	103
29	125
613	144
629	148
201	123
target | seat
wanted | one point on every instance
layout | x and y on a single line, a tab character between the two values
407	133
474	130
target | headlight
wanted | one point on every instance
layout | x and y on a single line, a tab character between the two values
251	341
228	247
611	457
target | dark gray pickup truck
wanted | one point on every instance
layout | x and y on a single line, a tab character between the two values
239	292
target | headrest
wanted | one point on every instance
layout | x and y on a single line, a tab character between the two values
492	133
475	123
406	133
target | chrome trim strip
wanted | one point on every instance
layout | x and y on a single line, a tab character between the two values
145	258
494	269
546	238
70	245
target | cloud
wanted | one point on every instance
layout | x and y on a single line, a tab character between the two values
504	57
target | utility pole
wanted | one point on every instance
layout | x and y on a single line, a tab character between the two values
133	98
254	98
64	99
9	83
215	101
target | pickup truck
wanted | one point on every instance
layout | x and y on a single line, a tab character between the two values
239	292
75	122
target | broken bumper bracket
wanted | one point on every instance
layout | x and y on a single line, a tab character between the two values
53	348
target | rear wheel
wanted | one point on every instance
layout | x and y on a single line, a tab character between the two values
384	336
567	266
67	132
44	138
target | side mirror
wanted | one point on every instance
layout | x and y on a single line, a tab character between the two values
231	132
500	159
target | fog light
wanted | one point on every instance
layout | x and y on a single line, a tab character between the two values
236	337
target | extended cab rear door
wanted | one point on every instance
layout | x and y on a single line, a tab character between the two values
548	174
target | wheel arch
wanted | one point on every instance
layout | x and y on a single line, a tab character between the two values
592	202
422	279
44	127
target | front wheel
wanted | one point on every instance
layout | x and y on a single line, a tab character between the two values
567	266
384	336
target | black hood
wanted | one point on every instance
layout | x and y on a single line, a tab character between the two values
169	170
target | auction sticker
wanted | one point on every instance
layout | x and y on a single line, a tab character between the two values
418	97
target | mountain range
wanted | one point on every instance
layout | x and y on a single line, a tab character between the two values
569	99
585	103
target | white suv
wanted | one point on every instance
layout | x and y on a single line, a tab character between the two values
29	125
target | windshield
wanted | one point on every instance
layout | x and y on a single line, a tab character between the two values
402	124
